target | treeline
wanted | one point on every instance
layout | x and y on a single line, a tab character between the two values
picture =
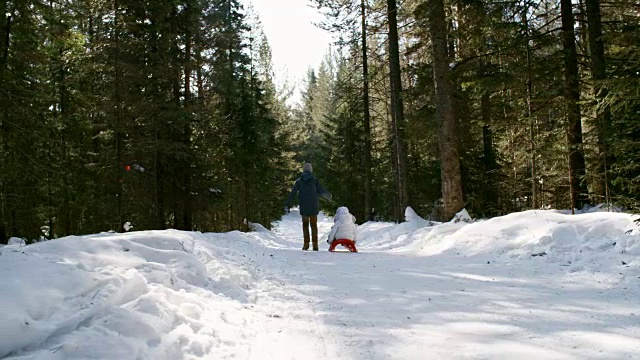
496	106
158	113
166	113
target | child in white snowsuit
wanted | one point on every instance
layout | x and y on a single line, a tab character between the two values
344	226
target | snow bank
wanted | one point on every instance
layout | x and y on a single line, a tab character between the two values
521	235
16	241
112	296
593	241
381	236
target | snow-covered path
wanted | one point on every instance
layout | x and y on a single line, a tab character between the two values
382	304
415	291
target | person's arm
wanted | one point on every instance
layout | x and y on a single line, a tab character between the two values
332	234
292	194
322	191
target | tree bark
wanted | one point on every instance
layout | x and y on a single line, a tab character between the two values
532	122
489	156
5	31
116	127
397	113
187	215
452	192
64	114
572	99
367	115
4	238
603	115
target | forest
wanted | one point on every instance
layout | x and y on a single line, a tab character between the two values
168	113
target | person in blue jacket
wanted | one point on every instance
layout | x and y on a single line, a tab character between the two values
310	190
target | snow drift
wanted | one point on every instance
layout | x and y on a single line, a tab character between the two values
451	290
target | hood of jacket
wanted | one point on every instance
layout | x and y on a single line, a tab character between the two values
345	219
306	176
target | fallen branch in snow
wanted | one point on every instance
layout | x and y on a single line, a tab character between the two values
183	248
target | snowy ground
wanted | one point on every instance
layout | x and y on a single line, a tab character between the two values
415	291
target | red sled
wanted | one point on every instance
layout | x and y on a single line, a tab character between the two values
349	244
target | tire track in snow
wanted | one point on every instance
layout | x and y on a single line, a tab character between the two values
290	325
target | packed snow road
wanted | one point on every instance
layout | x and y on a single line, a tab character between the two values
532	285
383	304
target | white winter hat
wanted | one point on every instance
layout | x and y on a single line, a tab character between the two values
345	218
307	167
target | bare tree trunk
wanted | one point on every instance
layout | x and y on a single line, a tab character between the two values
447	135
603	115
66	212
118	134
532	122
489	156
367	116
187	215
577	171
61	114
160	203
5	31
397	113
3	139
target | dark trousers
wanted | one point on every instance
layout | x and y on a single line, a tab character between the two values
313	220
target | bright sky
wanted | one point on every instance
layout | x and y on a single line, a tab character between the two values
296	43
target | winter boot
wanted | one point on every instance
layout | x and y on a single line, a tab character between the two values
315	245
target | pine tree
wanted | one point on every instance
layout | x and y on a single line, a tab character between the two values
577	174
397	113
444	92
